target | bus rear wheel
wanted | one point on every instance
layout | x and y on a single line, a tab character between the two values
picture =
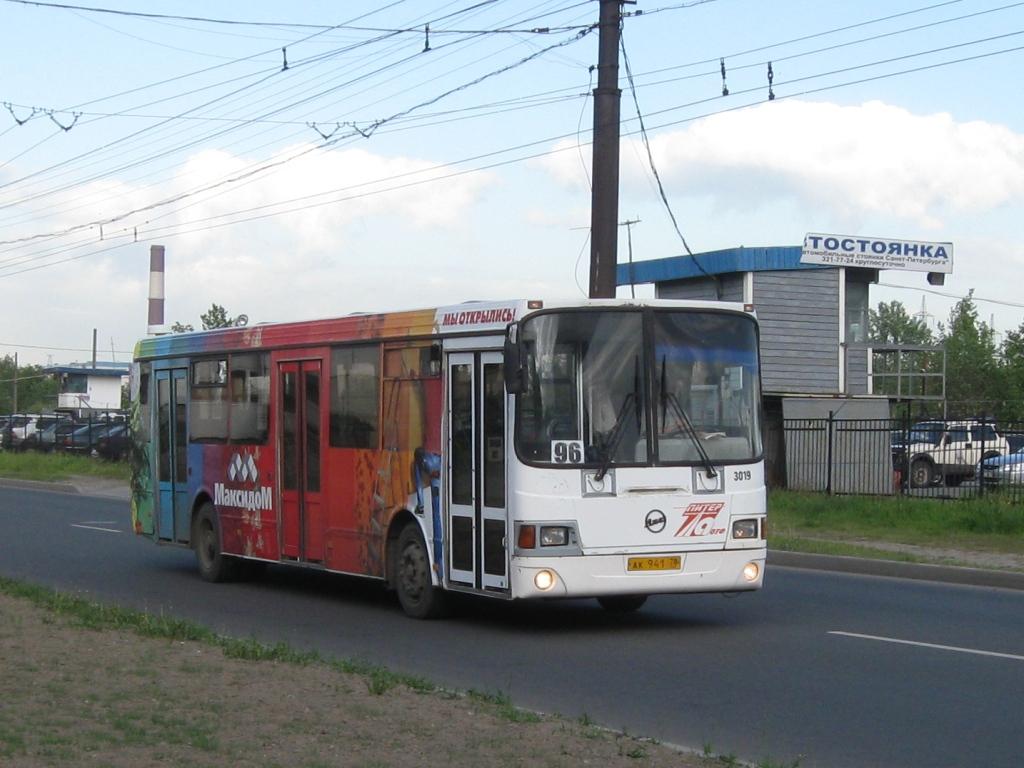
420	599
213	564
622	603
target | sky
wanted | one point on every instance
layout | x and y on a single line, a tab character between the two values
311	159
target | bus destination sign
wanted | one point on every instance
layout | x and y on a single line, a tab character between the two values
876	253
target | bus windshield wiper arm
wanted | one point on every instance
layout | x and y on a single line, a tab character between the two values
684	419
615	436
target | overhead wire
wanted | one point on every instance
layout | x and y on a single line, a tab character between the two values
121	168
208	136
362	132
875	63
167	233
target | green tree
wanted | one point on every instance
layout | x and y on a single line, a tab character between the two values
215	317
890	324
37	391
1012	363
975	382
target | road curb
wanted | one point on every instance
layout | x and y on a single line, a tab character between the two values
947	574
38	485
79	488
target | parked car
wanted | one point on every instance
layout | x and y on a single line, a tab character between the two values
954	455
927	432
46	433
84	438
19	426
1004	470
114	443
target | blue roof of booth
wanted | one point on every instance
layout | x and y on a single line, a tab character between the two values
714	263
101	369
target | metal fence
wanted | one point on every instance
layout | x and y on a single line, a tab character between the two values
103	433
884	457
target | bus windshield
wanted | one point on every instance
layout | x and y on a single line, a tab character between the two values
628	387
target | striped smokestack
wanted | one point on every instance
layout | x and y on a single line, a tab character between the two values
156	289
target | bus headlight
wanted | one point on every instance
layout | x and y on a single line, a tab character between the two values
554	536
544	580
744	529
751	571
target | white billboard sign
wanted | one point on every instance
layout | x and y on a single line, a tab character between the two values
876	253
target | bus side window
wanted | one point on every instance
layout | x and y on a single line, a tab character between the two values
208	415
355	388
249	383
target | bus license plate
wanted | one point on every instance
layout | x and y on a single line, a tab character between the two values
673	563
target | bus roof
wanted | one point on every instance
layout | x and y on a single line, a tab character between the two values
470	318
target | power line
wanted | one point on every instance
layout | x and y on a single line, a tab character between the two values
1001	302
59	349
165	232
243	121
365	133
650	157
181	147
252	171
825	88
289	24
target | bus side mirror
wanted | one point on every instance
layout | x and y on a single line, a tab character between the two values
515	379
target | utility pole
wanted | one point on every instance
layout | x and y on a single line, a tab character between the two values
604	206
14	403
628	224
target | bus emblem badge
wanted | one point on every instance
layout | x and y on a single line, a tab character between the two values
655	521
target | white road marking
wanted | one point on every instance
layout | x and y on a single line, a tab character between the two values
94	528
975	651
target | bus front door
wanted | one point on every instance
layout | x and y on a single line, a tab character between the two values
477	520
173	519
301	449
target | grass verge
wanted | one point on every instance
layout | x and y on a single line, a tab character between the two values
989	528
91	684
54	467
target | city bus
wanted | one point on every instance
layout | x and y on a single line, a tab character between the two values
515	450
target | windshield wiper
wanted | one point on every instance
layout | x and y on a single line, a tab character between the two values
615	436
669	398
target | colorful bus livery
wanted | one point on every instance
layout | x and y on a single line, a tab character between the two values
602	448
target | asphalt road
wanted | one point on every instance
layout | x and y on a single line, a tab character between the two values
833	669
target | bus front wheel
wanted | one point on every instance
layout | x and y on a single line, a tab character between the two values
420	599
213	564
622	603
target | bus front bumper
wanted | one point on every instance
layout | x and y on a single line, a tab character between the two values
738	570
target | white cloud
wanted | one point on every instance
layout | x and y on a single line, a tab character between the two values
321	260
873	159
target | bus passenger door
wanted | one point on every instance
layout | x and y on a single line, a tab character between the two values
301	449
173	519
477	525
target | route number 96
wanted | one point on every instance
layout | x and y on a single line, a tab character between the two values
567	451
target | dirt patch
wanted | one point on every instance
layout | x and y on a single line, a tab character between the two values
71	696
970	558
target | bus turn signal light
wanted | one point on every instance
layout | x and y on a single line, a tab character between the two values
527	537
